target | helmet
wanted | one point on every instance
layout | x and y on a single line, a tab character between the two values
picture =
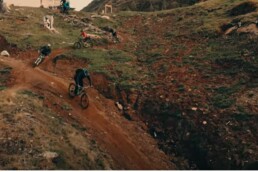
49	45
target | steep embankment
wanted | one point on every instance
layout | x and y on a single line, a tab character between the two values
200	98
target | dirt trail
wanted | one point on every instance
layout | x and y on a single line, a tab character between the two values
111	135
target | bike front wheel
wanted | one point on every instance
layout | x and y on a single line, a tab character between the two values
84	101
77	45
71	90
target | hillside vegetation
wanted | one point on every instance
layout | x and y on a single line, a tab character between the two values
138	5
187	76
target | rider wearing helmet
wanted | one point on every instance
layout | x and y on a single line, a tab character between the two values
80	74
45	50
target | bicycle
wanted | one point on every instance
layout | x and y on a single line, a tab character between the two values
39	60
84	97
83	43
115	39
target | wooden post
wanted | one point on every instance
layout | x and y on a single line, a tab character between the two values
106	8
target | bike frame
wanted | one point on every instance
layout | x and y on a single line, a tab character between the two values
82	94
82	89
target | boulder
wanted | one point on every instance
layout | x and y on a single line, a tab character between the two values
119	106
105	17
50	155
5	53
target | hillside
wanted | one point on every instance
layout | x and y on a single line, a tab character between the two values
138	5
178	92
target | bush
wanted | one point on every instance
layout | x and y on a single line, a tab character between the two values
222	101
243	8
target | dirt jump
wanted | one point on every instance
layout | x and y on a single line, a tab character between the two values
125	141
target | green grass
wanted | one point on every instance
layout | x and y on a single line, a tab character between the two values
228	90
116	64
30	94
3	88
100	22
223	101
5	70
66	107
242	116
99	59
28	31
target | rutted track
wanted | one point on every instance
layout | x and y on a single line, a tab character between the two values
129	150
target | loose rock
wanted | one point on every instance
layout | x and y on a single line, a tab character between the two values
5	53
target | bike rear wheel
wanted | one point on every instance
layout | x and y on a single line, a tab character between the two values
77	45
88	43
84	101
71	90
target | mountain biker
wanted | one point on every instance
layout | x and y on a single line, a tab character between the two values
65	6
80	74
45	50
112	31
84	35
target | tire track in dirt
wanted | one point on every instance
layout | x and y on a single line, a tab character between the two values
126	152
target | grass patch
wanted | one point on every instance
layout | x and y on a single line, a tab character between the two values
242	116
222	101
100	22
3	88
31	94
228	90
79	127
66	107
116	64
27	30
6	70
243	8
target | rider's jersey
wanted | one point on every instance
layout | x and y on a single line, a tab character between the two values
84	34
45	50
82	73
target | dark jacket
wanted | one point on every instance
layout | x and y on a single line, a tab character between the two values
80	74
45	50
